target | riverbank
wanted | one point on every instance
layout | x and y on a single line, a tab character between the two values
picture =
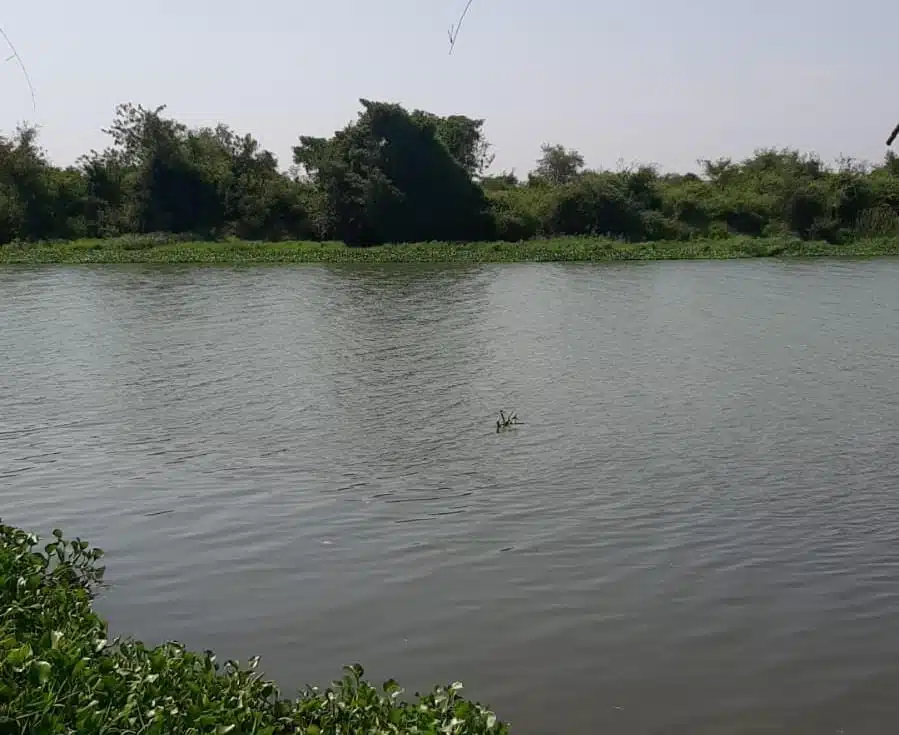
59	673
140	249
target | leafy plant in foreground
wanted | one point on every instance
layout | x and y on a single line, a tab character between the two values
59	673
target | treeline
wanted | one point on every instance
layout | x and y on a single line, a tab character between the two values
397	176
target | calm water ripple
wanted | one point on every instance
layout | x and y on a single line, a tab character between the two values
694	532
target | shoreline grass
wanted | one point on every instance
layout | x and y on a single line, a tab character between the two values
160	250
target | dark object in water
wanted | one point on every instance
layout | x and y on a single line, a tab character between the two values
504	422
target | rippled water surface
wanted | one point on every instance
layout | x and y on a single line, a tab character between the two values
695	531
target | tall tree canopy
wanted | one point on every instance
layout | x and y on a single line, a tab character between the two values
392	176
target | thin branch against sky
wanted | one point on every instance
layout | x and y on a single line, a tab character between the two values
893	135
18	58
454	30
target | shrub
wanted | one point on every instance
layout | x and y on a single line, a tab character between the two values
596	203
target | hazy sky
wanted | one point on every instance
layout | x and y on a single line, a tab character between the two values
644	81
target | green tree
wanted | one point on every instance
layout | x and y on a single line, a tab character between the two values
172	177
464	139
387	177
37	200
161	176
110	208
558	165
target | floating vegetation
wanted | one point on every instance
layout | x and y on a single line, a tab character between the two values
142	249
59	673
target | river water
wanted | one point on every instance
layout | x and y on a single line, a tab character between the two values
696	529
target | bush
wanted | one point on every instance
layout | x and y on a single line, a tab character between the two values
598	204
656	226
512	227
60	674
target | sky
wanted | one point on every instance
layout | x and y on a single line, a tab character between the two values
644	81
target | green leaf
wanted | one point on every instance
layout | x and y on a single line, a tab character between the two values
19	656
42	670
462	710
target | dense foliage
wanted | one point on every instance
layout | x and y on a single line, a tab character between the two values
59	674
397	176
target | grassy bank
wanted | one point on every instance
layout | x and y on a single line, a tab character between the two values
151	249
59	673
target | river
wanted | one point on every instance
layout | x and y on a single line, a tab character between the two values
695	529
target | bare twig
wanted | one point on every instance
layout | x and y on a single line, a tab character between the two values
454	30
15	55
893	135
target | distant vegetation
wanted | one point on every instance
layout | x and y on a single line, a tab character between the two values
59	673
395	176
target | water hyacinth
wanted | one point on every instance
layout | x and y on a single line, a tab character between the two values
878	230
60	673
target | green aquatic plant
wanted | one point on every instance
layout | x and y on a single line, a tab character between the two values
559	250
60	673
